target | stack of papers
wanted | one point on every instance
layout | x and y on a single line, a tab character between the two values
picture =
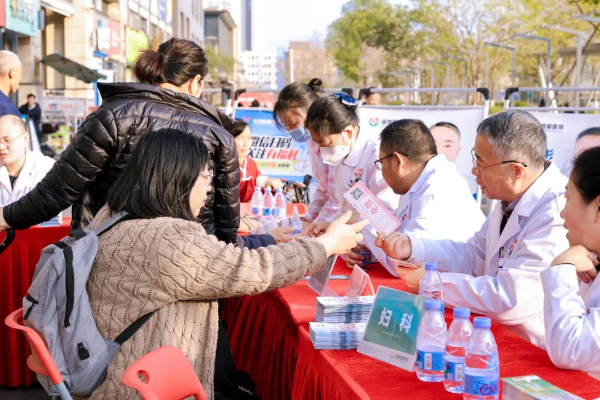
532	387
344	309
56	221
326	336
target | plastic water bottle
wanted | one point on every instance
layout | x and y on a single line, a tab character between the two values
296	222
459	334
431	284
482	365
280	205
257	202
431	343
268	203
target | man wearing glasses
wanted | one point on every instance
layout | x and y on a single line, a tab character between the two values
497	271
20	169
435	200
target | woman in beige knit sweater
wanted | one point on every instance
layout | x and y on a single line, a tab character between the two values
163	261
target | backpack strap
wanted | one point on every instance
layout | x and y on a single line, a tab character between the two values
112	221
133	328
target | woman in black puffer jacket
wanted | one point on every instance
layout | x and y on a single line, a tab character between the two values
167	98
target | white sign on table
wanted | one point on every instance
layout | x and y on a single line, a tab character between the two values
359	282
319	280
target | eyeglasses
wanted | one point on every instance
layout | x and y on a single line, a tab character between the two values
9	141
378	162
209	178
477	167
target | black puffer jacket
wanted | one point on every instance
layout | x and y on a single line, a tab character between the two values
103	145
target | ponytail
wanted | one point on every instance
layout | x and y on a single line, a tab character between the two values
176	62
296	95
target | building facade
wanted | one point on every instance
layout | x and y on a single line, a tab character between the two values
258	70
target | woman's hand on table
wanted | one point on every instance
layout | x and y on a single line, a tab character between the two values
353	258
282	234
585	262
395	245
340	237
316	229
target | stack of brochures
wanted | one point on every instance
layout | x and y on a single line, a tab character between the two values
327	336
532	387
56	221
344	309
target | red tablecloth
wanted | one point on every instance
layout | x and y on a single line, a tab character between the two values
269	339
17	265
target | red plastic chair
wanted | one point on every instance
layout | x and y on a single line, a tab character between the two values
167	375
302	208
40	360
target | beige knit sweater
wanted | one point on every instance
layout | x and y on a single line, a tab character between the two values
173	266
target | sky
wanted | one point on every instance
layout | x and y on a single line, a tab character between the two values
289	20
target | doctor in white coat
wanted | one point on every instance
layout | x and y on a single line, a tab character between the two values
334	126
571	309
497	271
436	202
20	169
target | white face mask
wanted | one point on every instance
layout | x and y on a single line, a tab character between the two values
334	155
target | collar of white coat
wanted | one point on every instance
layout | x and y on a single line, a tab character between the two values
28	169
353	158
550	178
439	161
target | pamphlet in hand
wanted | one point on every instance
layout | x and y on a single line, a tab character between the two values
371	208
391	334
532	387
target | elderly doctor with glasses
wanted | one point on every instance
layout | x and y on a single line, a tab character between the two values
497	271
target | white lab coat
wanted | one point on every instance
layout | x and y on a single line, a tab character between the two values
360	165
324	203
35	168
507	288
439	205
572	320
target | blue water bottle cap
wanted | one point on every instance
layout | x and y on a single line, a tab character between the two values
462	312
433	304
431	266
257	188
482	322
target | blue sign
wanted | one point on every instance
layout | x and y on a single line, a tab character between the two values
162	10
273	150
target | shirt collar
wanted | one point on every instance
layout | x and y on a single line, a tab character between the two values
357	151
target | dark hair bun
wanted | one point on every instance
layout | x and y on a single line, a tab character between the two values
316	84
176	62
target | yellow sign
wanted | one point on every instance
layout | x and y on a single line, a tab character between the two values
136	43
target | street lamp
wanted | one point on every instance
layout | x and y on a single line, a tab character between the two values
579	53
586	18
549	48
460	60
447	70
486	78
431	76
514	60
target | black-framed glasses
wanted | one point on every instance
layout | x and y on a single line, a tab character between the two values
346	100
477	167
378	162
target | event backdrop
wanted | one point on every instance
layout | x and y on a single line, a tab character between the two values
274	151
374	119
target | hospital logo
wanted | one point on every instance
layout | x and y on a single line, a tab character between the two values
374	121
550	154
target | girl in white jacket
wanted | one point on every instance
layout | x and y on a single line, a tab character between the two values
334	126
571	309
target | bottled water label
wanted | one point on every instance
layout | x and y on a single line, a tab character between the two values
280	212
454	371
267	212
255	210
481	385
430	361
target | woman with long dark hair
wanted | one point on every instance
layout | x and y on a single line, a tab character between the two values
162	261
171	81
571	309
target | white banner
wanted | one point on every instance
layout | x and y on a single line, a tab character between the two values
374	119
562	131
